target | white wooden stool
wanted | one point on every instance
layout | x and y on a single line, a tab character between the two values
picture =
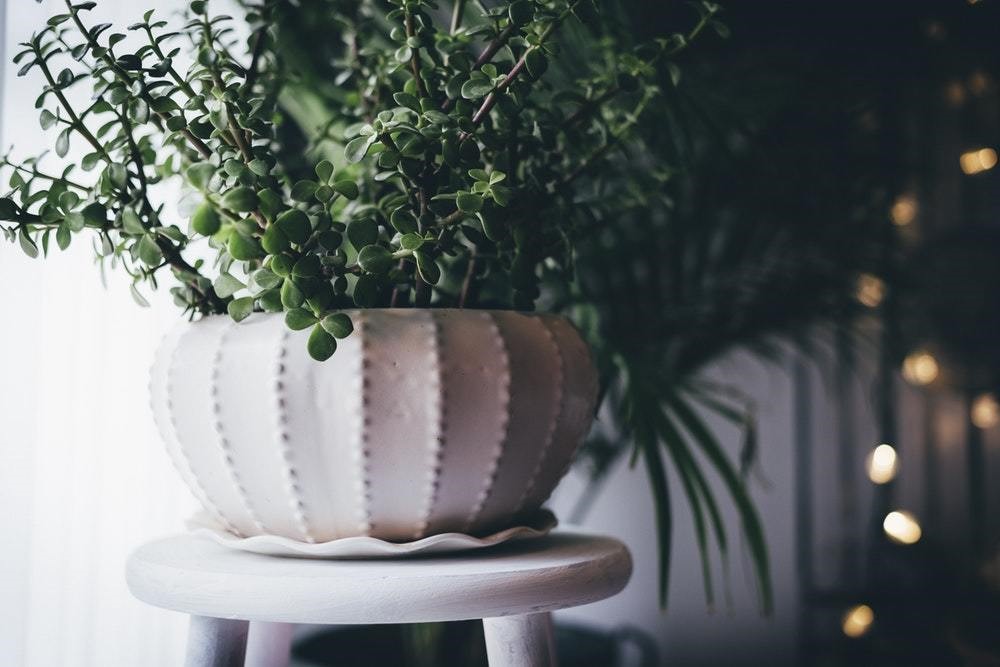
244	606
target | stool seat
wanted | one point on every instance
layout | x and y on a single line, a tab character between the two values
197	576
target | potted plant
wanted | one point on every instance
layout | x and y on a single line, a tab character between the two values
445	195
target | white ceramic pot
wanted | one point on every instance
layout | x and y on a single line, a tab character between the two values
423	422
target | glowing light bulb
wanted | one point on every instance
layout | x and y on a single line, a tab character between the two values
882	464
904	210
985	412
870	290
857	621
974	162
920	368
902	527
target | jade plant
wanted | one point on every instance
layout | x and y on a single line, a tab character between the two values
345	154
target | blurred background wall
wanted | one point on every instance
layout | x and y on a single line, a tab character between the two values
83	477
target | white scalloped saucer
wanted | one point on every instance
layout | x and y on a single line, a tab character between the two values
370	547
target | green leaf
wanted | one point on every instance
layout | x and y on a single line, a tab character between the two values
131	222
63	237
27	244
324	171
307	267
407	100
428	268
241	199
521	11
375	259
349	189
226	285
468	202
403	221
298	319
295	224
304	190
205	220
366	291
244	248
357	149
149	252
274	240
117	174
199	175
338	325
62	142
477	87
536	62
752	527
47	119
411	241
361	233
240	309
266	278
137	297
291	295
321	345
259	167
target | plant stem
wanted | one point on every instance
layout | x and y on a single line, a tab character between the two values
456	16
415	57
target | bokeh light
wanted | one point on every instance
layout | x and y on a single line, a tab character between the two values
902	527
882	464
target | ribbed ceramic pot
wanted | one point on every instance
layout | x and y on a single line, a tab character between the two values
425	421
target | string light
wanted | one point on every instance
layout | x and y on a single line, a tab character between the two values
920	368
902	527
985	412
976	161
904	210
954	93
870	290
882	464
857	621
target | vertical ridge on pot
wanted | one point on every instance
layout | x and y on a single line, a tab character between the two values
559	389
162	386
473	365
223	442
579	398
361	454
532	408
503	408
295	500
400	368
437	400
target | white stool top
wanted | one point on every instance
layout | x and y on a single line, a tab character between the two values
197	576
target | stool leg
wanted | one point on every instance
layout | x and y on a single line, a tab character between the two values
216	642
520	641
269	644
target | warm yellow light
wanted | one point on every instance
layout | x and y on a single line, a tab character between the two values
904	210
985	412
974	162
858	620
882	464
902	527
870	290
920	368
979	82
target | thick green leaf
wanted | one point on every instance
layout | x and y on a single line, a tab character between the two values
321	345
240	309
375	259
338	325
226	285
298	319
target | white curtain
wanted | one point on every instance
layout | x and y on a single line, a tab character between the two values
83	477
